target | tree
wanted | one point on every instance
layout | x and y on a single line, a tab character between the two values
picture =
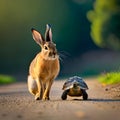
105	23
69	26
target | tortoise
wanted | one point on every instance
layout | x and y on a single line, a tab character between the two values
75	87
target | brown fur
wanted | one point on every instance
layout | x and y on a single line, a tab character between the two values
44	68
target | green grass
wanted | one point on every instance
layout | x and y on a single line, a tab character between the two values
110	78
6	79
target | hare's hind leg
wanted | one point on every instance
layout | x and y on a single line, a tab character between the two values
32	86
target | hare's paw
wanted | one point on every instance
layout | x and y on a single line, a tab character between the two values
46	98
37	97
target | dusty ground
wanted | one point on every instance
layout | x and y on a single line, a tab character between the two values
17	104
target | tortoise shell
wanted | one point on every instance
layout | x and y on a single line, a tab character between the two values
73	82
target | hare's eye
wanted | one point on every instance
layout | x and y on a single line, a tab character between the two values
46	48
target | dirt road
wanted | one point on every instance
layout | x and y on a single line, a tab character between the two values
17	104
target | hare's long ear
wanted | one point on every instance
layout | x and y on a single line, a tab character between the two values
37	37
48	33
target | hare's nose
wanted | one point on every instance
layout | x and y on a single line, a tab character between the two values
54	53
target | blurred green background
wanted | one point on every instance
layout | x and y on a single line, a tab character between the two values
71	22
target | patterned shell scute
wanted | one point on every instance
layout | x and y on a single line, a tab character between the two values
75	79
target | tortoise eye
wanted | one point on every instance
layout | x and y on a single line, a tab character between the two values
46	48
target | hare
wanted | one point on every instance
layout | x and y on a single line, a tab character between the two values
45	66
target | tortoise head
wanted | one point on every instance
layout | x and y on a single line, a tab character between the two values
75	85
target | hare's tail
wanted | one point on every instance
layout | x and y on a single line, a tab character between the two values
32	86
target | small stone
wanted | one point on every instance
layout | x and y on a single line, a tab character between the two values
106	89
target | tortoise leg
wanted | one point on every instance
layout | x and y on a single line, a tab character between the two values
64	95
84	94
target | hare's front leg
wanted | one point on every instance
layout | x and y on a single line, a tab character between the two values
47	90
40	91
